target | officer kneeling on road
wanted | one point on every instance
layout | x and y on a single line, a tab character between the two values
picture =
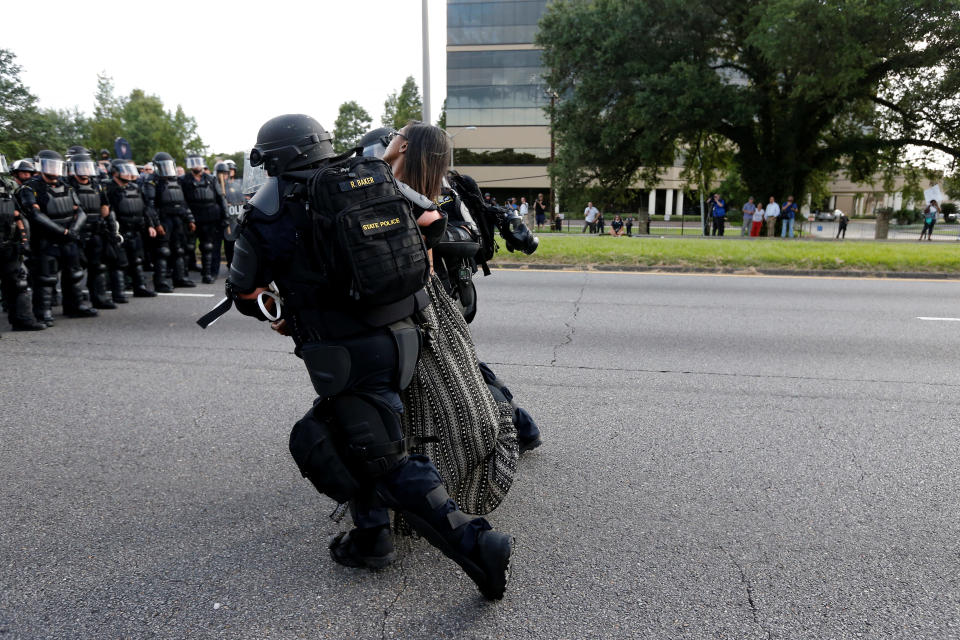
348	306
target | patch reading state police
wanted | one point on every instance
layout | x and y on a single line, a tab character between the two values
379	226
360	183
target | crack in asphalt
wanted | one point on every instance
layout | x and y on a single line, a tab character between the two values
727	374
571	324
386	611
748	586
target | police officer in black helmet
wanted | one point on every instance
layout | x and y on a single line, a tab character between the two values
350	444
14	242
162	189
56	219
95	233
133	215
209	212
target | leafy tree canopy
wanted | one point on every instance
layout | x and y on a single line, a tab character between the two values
26	129
401	108
782	91
352	122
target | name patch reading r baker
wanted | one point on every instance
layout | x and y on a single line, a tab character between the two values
360	183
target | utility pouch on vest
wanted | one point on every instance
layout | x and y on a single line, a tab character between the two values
407	337
365	232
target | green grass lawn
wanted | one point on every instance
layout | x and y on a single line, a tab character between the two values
758	253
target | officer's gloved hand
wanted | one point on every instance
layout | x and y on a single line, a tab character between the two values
71	236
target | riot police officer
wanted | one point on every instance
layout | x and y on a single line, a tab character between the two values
100	227
163	191
209	212
359	356
22	170
14	238
53	211
133	215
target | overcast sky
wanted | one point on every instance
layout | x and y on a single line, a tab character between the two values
233	65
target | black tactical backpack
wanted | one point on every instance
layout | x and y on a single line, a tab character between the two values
365	232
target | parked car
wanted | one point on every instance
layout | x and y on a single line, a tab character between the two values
826	215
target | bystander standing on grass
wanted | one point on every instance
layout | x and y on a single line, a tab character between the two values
788	212
748	211
770	214
718	211
930	214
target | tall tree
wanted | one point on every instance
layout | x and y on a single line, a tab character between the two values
18	109
442	120
352	122
401	108
107	122
792	88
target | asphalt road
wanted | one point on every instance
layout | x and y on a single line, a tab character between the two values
724	457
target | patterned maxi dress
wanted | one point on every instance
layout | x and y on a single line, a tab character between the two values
477	449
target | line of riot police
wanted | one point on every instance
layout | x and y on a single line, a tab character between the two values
64	221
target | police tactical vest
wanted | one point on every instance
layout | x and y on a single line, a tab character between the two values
365	233
59	206
199	192
89	196
130	207
171	197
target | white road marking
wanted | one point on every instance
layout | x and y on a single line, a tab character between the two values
939	319
190	295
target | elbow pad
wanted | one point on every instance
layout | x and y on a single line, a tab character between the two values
434	232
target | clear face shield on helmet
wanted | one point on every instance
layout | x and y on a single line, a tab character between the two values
4	167
165	168
254	177
52	167
195	162
127	171
84	168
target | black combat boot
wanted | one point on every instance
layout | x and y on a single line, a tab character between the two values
180	277
117	288
364	548
21	314
97	283
140	284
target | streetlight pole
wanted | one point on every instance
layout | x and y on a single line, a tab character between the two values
470	128
426	64
553	194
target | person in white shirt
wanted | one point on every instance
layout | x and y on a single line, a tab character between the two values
524	210
590	218
770	215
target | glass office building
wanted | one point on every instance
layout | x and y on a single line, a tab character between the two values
494	84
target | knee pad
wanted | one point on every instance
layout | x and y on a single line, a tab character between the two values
164	251
76	274
206	247
371	431
314	448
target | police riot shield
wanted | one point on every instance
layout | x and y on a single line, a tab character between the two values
233	194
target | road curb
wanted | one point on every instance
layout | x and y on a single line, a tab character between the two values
902	275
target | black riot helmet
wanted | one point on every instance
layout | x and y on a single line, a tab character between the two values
291	141
375	142
125	170
195	162
23	164
221	167
164	165
76	150
104	154
50	163
79	163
